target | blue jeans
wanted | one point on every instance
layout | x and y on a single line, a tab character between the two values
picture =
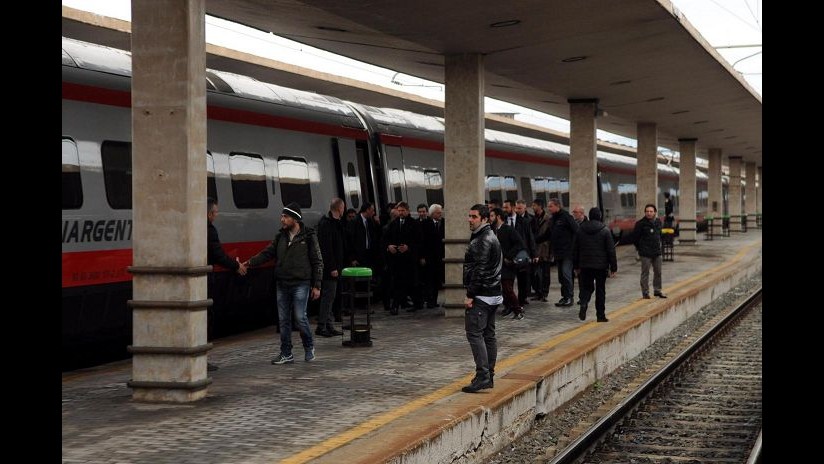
292	300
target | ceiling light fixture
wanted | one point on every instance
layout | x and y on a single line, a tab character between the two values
507	23
331	29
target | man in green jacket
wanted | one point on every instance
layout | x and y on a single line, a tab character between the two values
298	273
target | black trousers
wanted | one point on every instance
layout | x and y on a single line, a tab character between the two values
594	280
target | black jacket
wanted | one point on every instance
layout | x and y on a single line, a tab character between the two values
647	237
356	234
432	246
297	262
511	243
593	247
482	264
214	251
331	240
562	230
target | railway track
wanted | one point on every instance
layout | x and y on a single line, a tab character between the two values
703	406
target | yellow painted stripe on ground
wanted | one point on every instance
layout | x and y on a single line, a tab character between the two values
382	419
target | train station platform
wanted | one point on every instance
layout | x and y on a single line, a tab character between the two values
399	400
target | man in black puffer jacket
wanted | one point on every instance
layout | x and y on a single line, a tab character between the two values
593	257
647	239
482	280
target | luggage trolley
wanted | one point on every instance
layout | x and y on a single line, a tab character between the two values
356	285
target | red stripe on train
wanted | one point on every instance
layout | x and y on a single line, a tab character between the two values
123	98
82	268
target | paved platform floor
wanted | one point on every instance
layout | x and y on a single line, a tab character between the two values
257	412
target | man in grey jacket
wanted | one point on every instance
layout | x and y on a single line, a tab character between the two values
298	272
482	280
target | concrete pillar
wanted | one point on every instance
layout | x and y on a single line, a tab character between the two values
646	171
751	197
715	207
169	201
687	191
735	194
759	205
583	164
463	165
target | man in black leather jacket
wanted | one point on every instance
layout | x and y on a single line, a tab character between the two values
482	280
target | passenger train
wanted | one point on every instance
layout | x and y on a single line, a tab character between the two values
266	147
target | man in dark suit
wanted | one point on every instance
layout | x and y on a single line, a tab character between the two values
216	255
403	247
433	254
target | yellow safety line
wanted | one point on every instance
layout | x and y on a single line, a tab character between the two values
379	421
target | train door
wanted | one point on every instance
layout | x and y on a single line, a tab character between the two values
397	179
351	172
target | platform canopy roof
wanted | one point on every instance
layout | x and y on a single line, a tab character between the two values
640	58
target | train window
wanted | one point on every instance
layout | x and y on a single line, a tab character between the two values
539	187
493	188
563	192
526	189
396	184
294	181
117	173
354	184
248	180
511	188
211	186
434	187
72	187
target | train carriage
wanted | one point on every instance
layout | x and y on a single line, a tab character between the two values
266	146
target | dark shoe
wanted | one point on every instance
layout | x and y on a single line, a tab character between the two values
332	332
506	312
518	316
645	296
560	302
537	298
603	319
567	302
578	302
582	313
393	311
211	367
322	332
660	295
477	384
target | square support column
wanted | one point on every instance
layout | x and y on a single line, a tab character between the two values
646	171
583	164
734	196
715	200
687	192
759	205
751	198
169	201
464	166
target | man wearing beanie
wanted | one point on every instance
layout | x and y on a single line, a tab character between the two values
298	274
